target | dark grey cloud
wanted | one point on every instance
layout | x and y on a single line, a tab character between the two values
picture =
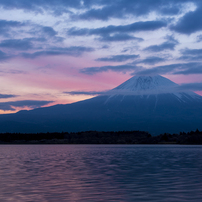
12	71
105	47
190	22
121	8
2	96
164	69
199	38
19	44
110	8
191	54
43	32
58	39
49	31
152	60
97	14
190	58
118	68
134	27
191	51
191	86
168	45
179	68
3	56
107	9
118	37
24	103
5	26
193	68
58	7
71	51
172	9
118	58
85	92
35	39
161	47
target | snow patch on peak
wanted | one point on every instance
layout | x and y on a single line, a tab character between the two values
147	85
152	85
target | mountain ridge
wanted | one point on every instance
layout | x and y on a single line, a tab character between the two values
122	108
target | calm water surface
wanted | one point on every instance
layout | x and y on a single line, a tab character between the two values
100	173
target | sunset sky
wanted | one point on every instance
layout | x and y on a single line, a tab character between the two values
62	51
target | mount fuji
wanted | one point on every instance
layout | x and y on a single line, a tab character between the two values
149	103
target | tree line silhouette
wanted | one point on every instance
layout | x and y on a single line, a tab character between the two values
96	137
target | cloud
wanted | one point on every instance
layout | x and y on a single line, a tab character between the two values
189	23
118	58
191	51
179	68
121	8
118	37
48	66
191	86
152	60
118	68
97	14
168	45
13	71
3	56
49	31
105	47
57	7
194	68
5	26
134	27
2	96
19	44
190	58
100	9
161	47
164	69
24	103
199	38
191	54
123	58
71	51
128	67
85	92
43	32
172	9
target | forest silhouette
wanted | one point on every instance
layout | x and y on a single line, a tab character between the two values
96	137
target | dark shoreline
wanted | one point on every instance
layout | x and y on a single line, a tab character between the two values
95	137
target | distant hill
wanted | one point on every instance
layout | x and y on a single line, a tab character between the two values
148	103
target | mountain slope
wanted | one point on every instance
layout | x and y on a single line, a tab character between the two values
153	104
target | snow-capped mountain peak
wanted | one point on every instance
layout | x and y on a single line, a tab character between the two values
151	85
146	83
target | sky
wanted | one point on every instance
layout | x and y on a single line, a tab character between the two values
62	51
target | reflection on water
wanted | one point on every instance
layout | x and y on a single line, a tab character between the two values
100	173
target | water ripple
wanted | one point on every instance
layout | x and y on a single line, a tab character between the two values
100	173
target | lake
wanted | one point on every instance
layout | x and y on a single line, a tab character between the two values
100	173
